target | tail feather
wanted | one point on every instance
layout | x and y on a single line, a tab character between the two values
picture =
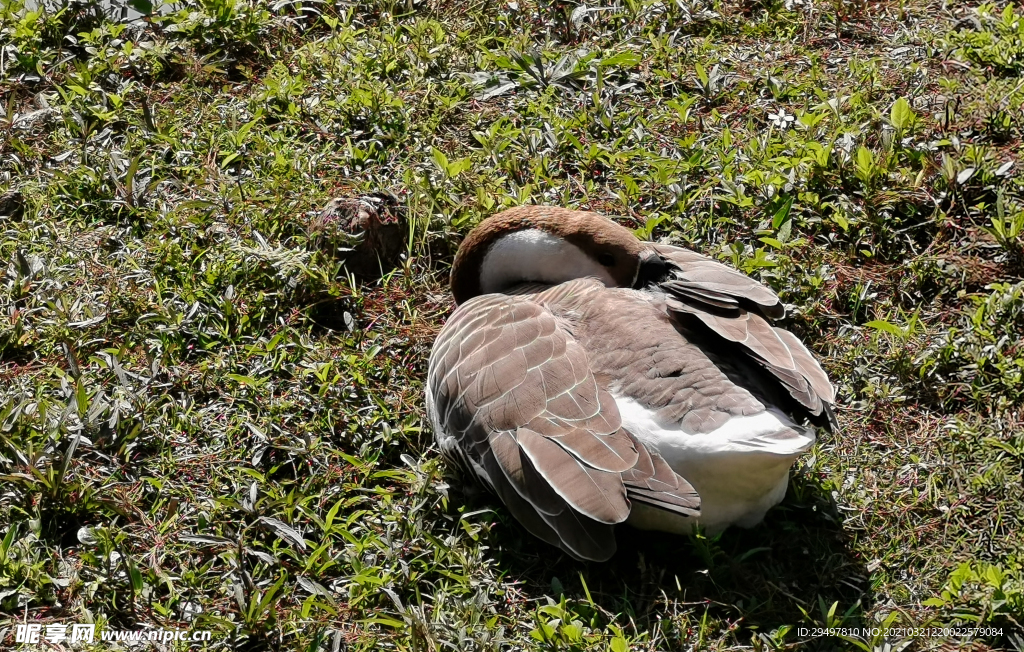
653	482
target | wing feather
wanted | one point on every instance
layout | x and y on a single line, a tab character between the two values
591	491
701	274
809	367
540	509
738	309
616	453
513	399
652	481
747	329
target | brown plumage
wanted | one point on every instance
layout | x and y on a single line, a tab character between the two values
584	403
368	233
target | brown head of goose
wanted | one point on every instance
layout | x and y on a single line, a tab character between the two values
589	378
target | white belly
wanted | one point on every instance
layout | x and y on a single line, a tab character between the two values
740	470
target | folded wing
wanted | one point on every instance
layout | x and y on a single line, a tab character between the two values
710	297
512	398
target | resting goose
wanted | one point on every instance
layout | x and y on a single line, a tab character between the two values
589	378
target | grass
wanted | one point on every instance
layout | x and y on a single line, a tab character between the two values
205	423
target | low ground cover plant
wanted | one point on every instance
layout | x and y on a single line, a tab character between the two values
206	423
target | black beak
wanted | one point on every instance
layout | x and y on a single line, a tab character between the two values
653	269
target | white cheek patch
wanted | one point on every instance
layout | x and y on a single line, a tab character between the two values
536	256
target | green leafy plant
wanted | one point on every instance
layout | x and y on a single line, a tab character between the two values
901	116
710	83
982	593
1008	228
205	419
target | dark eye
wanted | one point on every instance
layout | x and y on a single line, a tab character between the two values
607	260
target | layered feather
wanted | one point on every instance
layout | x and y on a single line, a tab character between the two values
525	390
738	309
515	398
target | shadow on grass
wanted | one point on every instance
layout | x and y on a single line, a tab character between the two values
756	580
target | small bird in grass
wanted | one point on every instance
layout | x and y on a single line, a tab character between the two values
589	378
368	232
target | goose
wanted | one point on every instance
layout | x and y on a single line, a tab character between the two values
588	379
